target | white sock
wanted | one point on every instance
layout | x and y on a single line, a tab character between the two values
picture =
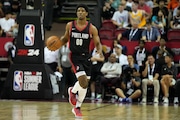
81	95
76	87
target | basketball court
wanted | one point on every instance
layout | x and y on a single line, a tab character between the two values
56	110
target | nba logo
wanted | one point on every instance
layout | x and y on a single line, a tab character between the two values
29	33
18	81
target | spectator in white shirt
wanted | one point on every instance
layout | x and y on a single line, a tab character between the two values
121	58
7	23
120	17
51	58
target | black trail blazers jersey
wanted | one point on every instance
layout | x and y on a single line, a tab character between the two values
80	39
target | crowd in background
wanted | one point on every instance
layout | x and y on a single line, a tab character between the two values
143	21
129	76
162	15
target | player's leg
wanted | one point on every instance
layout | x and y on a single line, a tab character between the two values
81	87
72	91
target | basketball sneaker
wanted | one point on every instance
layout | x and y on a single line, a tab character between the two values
72	97
144	100
156	100
176	101
77	112
165	100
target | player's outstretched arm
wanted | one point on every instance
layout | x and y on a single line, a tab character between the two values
54	42
96	39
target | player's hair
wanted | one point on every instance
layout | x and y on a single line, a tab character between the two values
83	6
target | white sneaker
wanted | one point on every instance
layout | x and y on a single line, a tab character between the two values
156	100
166	100
143	100
176	101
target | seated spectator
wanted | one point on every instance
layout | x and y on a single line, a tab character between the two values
132	64
120	17
121	58
97	62
137	16
168	77
159	21
150	33
142	6
175	21
141	54
150	75
7	23
111	71
130	85
162	7
107	11
133	34
162	46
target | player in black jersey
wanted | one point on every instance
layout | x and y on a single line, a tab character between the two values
79	34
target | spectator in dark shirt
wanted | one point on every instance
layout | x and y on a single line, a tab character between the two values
168	77
141	54
162	47
150	75
129	88
161	6
107	11
151	33
132	34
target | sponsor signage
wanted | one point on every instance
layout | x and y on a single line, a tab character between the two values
27	80
28	52
29	34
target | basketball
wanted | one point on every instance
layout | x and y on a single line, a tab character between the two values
53	43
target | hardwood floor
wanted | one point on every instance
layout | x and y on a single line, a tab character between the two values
48	110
